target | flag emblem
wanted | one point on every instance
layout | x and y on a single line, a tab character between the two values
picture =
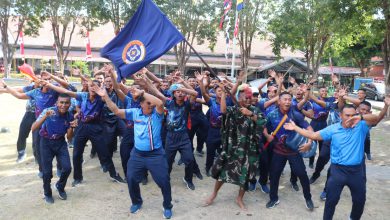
133	52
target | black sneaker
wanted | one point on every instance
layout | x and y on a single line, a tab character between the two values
76	182
190	185
271	204
208	173
180	162
313	178
199	153
145	181
117	178
49	199
61	193
92	155
199	175
309	205
103	169
294	186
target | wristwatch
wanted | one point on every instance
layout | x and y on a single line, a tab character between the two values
361	117
5	86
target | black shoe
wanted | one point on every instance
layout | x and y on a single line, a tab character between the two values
313	178
103	169
117	178
208	173
180	162
199	175
61	193
190	185
294	186
309	205
49	199
271	204
145	181
76	182
199	153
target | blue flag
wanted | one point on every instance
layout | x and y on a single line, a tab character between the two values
148	35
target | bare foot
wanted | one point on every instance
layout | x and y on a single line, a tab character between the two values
210	200
241	204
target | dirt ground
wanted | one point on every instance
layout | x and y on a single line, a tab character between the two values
21	192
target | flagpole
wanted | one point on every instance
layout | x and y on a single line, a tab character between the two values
203	61
234	47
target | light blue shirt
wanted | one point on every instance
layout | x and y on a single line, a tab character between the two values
147	129
347	144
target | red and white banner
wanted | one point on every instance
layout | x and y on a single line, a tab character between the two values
21	43
88	53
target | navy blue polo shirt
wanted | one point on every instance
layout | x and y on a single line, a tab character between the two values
196	108
307	106
177	116
321	113
347	144
55	126
147	129
42	100
267	110
89	111
273	120
30	105
108	115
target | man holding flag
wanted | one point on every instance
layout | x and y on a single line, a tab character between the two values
147	36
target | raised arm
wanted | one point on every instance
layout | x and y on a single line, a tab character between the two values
261	86
60	89
205	93
151	75
383	112
318	101
60	81
15	93
223	102
306	133
354	101
116	86
44	115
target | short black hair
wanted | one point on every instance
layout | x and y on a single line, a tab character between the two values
366	103
64	95
322	87
284	93
97	82
347	106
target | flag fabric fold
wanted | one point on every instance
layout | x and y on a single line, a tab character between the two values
148	35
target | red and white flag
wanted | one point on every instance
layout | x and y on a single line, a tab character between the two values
236	26
21	43
88	53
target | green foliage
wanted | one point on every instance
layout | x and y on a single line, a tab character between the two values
315	26
82	65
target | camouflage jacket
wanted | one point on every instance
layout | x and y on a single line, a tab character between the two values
241	139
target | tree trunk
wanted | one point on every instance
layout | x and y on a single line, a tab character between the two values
386	45
5	44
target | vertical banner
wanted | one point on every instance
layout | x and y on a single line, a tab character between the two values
21	43
88	53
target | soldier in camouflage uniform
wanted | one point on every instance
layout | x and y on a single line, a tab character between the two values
241	130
